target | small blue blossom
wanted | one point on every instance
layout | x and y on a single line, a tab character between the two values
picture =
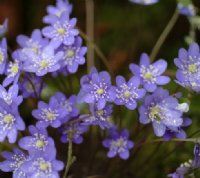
42	165
150	74
4	27
3	55
118	143
196	160
13	70
49	114
75	131
100	117
177	132
14	162
162	110
43	63
73	55
128	92
187	10
62	6
98	90
11	96
188	63
61	31
144	2
10	122
38	142
68	104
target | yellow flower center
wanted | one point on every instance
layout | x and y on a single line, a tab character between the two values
148	75
154	113
50	116
39	144
192	68
44	166
43	64
70	53
61	31
14	69
100	91
127	94
119	142
8	119
100	112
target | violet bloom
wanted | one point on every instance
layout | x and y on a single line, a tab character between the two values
196	160
75	131
13	70
144	2
100	117
11	96
118	143
31	85
49	114
61	31
177	132
150	74
38	142
14	162
42	165
162	110
62	6
34	44
128	92
43	63
187	10
69	105
3	55
74	55
98	90
4	27
188	63
10	122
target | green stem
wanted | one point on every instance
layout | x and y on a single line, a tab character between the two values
70	157
164	35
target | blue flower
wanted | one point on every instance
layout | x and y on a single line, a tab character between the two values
144	2
118	143
188	63
11	96
98	90
73	55
69	105
10	122
100	117
43	165
128	93
14	162
3	55
44	62
38	142
62	6
162	110
150	74
61	31
49	114
75	131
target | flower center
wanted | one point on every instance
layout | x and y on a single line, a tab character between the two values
70	53
154	113
119	142
8	119
50	116
100	91
127	94
148	75
192	68
14	69
44	64
100	112
44	166
40	144
61	31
